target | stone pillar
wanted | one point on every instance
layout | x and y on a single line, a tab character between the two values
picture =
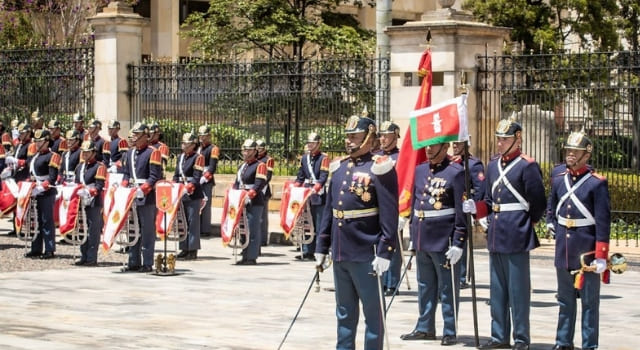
456	41
165	26
118	43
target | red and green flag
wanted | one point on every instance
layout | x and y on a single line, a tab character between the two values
444	122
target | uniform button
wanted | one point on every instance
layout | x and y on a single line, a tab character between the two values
568	206
495	216
344	182
499	189
421	202
341	192
340	224
568	216
498	200
568	235
348	172
339	202
390	249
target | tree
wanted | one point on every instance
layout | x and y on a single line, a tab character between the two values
550	25
291	29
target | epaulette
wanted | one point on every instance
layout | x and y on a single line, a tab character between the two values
101	173
199	163
324	165
261	171
335	163
105	148
6	139
123	145
215	152
270	163
456	165
31	150
164	151
381	165
156	157
54	162
527	158
599	176
63	146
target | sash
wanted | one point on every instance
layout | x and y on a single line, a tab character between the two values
122	200
110	184
507	183
168	197
24	198
69	203
8	194
576	201
292	205
231	213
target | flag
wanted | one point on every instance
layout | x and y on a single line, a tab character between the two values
168	197
292	205
444	122
122	200
409	157
68	206
232	211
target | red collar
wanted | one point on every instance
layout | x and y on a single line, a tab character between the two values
581	171
511	156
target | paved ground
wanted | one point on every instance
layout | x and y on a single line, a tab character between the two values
213	304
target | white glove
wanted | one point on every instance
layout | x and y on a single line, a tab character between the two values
551	230
113	169
5	174
203	180
320	258
380	265
247	201
484	223
11	160
58	192
139	193
402	221
453	254
600	264
83	192
37	190
469	206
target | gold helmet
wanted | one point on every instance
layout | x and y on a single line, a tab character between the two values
313	137
88	146
508	128
140	127
41	135
77	117
54	124
113	124
190	137
36	115
579	141
249	144
204	130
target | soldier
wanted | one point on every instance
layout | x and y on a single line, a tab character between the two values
142	168
54	127
93	134
37	122
43	169
266	190
388	137
18	162
113	150
188	171
78	124
581	215
7	142
70	157
314	173
513	203
478	188
91	174
155	137
359	225
252	176
211	153
438	233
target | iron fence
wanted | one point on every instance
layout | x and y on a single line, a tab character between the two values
554	94
278	101
57	81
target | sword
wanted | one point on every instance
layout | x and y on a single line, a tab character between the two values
315	277
395	292
381	298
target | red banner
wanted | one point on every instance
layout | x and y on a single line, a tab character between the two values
231	213
292	205
409	158
168	197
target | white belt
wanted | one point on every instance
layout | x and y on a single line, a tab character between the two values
569	223
140	181
188	178
41	178
247	187
310	181
508	207
433	213
353	214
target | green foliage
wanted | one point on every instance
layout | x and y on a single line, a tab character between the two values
277	28
547	24
16	30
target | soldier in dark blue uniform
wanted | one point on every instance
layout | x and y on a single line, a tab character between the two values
155	142
581	214
70	157
18	162
211	154
93	134
438	233
514	202
189	169
252	176
142	168
478	188
91	174
54	127
359	225
388	137
78	124
37	121
115	149
314	173
266	190
43	169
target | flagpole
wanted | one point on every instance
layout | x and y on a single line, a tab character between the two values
470	260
